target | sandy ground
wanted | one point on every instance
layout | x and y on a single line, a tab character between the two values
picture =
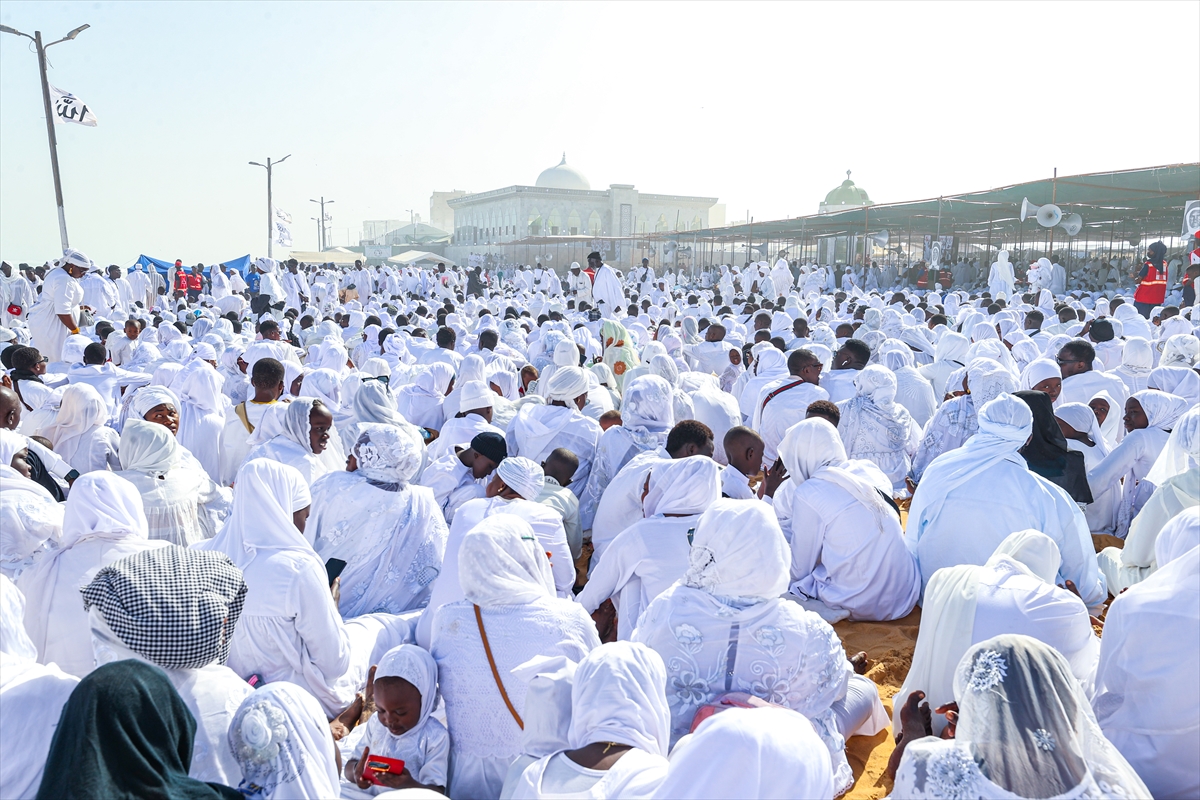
889	645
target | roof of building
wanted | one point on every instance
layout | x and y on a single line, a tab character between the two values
847	194
562	176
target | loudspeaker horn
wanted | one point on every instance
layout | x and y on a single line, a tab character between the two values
880	238
1072	224
1047	216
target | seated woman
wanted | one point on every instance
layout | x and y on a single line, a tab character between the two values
282	745
876	428
389	532
121	714
1046	453
30	519
295	434
1022	728
510	605
618	732
402	728
1014	592
79	433
1146	700
724	628
647	557
1081	429
646	420
1176	474
176	608
751	753
290	629
1149	417
420	402
39	400
32	696
848	548
182	504
103	521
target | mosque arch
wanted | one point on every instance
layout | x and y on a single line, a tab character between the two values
574	223
595	225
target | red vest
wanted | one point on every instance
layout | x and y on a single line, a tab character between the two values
1153	288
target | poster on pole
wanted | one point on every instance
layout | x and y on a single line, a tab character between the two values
1191	218
69	108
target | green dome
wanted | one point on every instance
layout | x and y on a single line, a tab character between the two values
847	195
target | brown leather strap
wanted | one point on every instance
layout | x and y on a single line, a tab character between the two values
487	648
240	410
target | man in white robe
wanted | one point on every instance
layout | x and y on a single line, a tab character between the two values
1001	278
607	288
785	401
539	429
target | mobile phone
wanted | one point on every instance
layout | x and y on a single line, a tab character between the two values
378	764
333	568
255	680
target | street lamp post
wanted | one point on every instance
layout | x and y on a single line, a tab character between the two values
41	54
270	207
321	231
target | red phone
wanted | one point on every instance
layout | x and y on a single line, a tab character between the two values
377	764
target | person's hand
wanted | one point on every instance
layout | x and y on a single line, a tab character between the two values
1072	588
773	478
369	692
582	563
605	618
360	767
404	780
343	723
336	590
950	711
908	484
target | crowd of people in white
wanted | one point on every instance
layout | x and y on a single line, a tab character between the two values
508	533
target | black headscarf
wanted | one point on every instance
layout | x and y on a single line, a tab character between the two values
125	733
1156	253
1047	453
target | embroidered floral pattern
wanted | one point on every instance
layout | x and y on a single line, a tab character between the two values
1044	740
689	637
988	671
952	775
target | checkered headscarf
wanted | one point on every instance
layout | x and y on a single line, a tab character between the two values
174	606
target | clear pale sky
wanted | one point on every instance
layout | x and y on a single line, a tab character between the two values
763	106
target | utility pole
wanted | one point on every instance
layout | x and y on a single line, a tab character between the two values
41	54
270	205
321	243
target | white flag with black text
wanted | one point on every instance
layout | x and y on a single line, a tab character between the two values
283	227
69	108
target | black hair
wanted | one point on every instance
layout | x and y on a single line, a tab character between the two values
267	372
1080	349
94	353
859	348
446	337
689	431
825	410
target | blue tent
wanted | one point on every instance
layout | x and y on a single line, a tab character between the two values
242	264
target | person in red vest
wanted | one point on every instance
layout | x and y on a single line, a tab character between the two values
180	281
1152	281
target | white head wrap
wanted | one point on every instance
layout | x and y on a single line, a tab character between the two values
103	505
280	738
738	551
415	665
1179	536
500	562
566	384
524	476
474	395
386	455
1182	451
647	404
265	496
682	486
1162	410
148	448
619	695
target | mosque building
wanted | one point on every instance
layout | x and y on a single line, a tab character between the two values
562	202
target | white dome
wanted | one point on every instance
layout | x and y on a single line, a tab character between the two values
562	177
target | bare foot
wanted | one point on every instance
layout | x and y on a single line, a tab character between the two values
344	722
860	662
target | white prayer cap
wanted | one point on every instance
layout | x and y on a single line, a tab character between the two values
523	476
377	368
266	265
567	383
473	395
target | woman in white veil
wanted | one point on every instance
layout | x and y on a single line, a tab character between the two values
1024	729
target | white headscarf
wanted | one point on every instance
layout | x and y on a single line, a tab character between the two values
1179	536
1182	451
83	410
415	665
280	738
751	753
266	494
386	455
149	448
524	476
103	506
566	384
812	449
682	486
1162	410
738	551
14	641
500	562
30	520
619	695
